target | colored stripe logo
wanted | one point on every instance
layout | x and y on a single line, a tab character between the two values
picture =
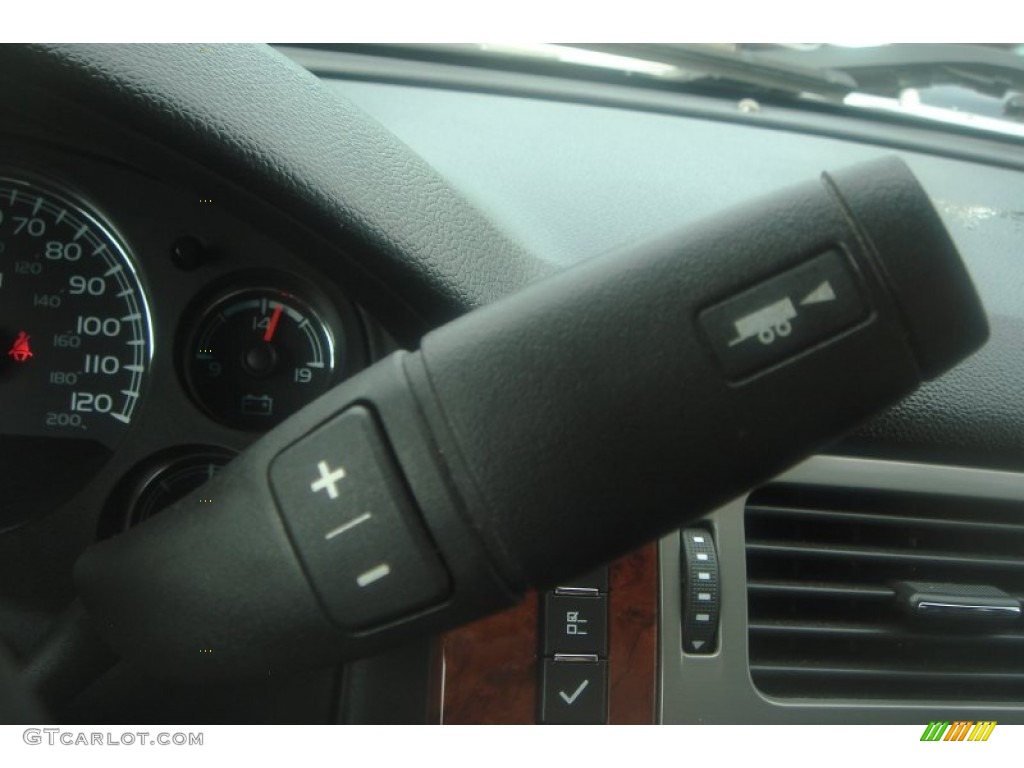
960	730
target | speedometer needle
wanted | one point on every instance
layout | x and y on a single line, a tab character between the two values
272	325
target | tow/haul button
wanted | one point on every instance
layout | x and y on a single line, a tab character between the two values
784	315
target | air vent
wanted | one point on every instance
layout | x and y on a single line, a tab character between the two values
828	617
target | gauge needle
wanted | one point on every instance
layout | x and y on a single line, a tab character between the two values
272	325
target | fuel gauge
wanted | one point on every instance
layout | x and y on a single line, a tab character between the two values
258	355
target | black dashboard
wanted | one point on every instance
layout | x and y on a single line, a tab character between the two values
235	314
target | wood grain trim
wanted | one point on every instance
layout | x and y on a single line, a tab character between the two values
487	672
633	637
488	669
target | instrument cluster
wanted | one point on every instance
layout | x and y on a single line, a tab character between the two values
144	359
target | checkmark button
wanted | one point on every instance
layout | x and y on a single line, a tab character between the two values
574	692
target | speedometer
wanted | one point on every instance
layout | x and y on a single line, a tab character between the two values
76	345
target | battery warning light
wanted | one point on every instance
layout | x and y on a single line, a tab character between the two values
20	349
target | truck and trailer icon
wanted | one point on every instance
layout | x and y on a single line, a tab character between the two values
774	321
766	323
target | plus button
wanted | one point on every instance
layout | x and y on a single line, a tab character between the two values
328	479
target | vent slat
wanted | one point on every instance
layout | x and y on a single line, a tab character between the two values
863	553
920	523
824	619
863	591
840	631
891	675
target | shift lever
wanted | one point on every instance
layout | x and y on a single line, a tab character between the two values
540	436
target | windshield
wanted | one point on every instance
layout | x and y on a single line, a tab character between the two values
977	86
982	84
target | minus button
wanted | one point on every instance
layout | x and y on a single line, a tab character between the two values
374	574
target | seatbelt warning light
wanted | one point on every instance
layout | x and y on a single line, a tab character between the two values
20	349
